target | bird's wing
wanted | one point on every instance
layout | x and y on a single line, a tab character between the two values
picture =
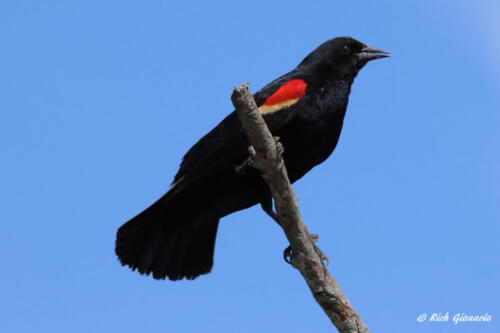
226	145
221	144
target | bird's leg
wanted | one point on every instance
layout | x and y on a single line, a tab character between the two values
267	207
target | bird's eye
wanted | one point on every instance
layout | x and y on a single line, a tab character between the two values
346	49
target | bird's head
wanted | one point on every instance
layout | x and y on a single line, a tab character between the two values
341	57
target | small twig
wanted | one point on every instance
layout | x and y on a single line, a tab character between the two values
302	253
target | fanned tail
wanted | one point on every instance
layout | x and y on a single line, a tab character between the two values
160	242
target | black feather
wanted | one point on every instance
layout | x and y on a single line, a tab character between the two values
175	237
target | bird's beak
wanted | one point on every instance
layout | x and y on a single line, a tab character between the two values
371	53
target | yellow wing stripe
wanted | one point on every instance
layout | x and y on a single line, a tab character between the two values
278	106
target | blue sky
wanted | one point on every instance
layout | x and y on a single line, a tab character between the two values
99	101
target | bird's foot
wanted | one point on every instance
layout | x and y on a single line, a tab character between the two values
321	254
279	147
248	163
279	150
288	254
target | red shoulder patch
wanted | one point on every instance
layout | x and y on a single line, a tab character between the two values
288	94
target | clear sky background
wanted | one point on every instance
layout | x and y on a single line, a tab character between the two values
100	100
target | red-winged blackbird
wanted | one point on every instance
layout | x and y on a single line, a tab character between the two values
305	108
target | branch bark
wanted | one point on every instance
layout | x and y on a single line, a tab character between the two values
304	256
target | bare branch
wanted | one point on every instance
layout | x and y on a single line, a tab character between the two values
303	253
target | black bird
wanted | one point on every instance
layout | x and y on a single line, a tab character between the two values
305	108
